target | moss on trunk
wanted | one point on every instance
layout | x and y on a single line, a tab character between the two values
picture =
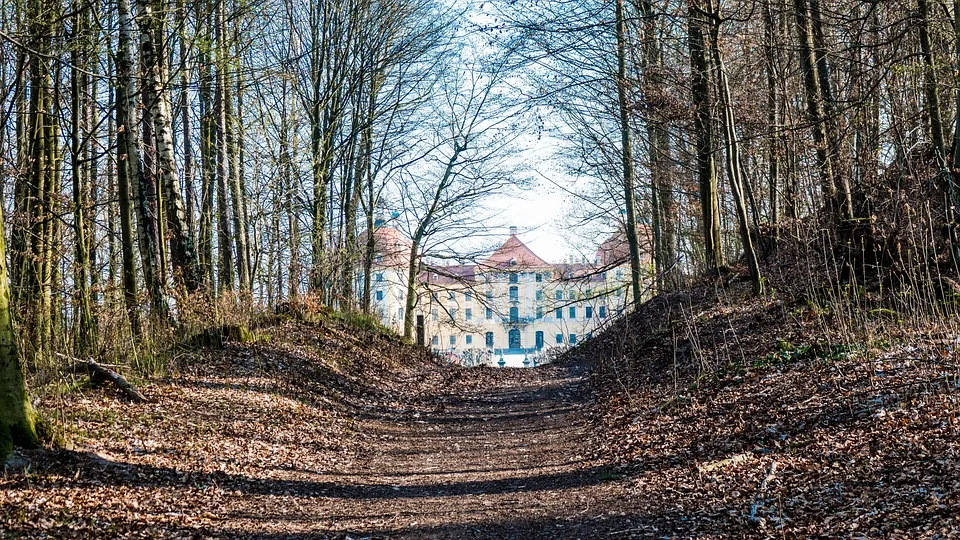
16	414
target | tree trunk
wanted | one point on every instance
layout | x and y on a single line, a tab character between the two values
732	162
703	129
16	414
659	156
85	330
157	103
773	113
225	238
237	193
626	155
128	160
931	88
208	145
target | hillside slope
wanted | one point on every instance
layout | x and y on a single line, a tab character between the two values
746	416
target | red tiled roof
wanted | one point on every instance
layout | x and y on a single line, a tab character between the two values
514	253
392	248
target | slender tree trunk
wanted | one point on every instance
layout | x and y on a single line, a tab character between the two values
208	144
931	89
288	188
157	102
237	193
659	155
773	112
732	162
413	267
222	98
815	112
626	149
85	331
703	129
42	179
188	160
128	160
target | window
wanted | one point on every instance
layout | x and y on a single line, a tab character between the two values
514	277
618	292
452	295
453	340
602	312
539	337
435	340
468	314
489	313
489	339
490	296
379	296
434	315
468	296
573	338
573	312
539	277
453	314
559	339
559	295
469	339
379	277
558	314
539	293
603	276
619	274
539	312
514	314
514	294
589	312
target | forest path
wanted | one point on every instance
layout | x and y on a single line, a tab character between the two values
492	454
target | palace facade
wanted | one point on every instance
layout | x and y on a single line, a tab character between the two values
511	303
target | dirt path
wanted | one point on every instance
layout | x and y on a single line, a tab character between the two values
491	457
493	454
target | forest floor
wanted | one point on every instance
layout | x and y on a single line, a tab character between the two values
331	432
279	441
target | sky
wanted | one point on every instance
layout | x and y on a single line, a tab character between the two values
538	210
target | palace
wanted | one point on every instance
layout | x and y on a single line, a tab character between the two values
511	303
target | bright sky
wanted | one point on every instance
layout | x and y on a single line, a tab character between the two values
538	211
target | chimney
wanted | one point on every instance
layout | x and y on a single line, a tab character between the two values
513	230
